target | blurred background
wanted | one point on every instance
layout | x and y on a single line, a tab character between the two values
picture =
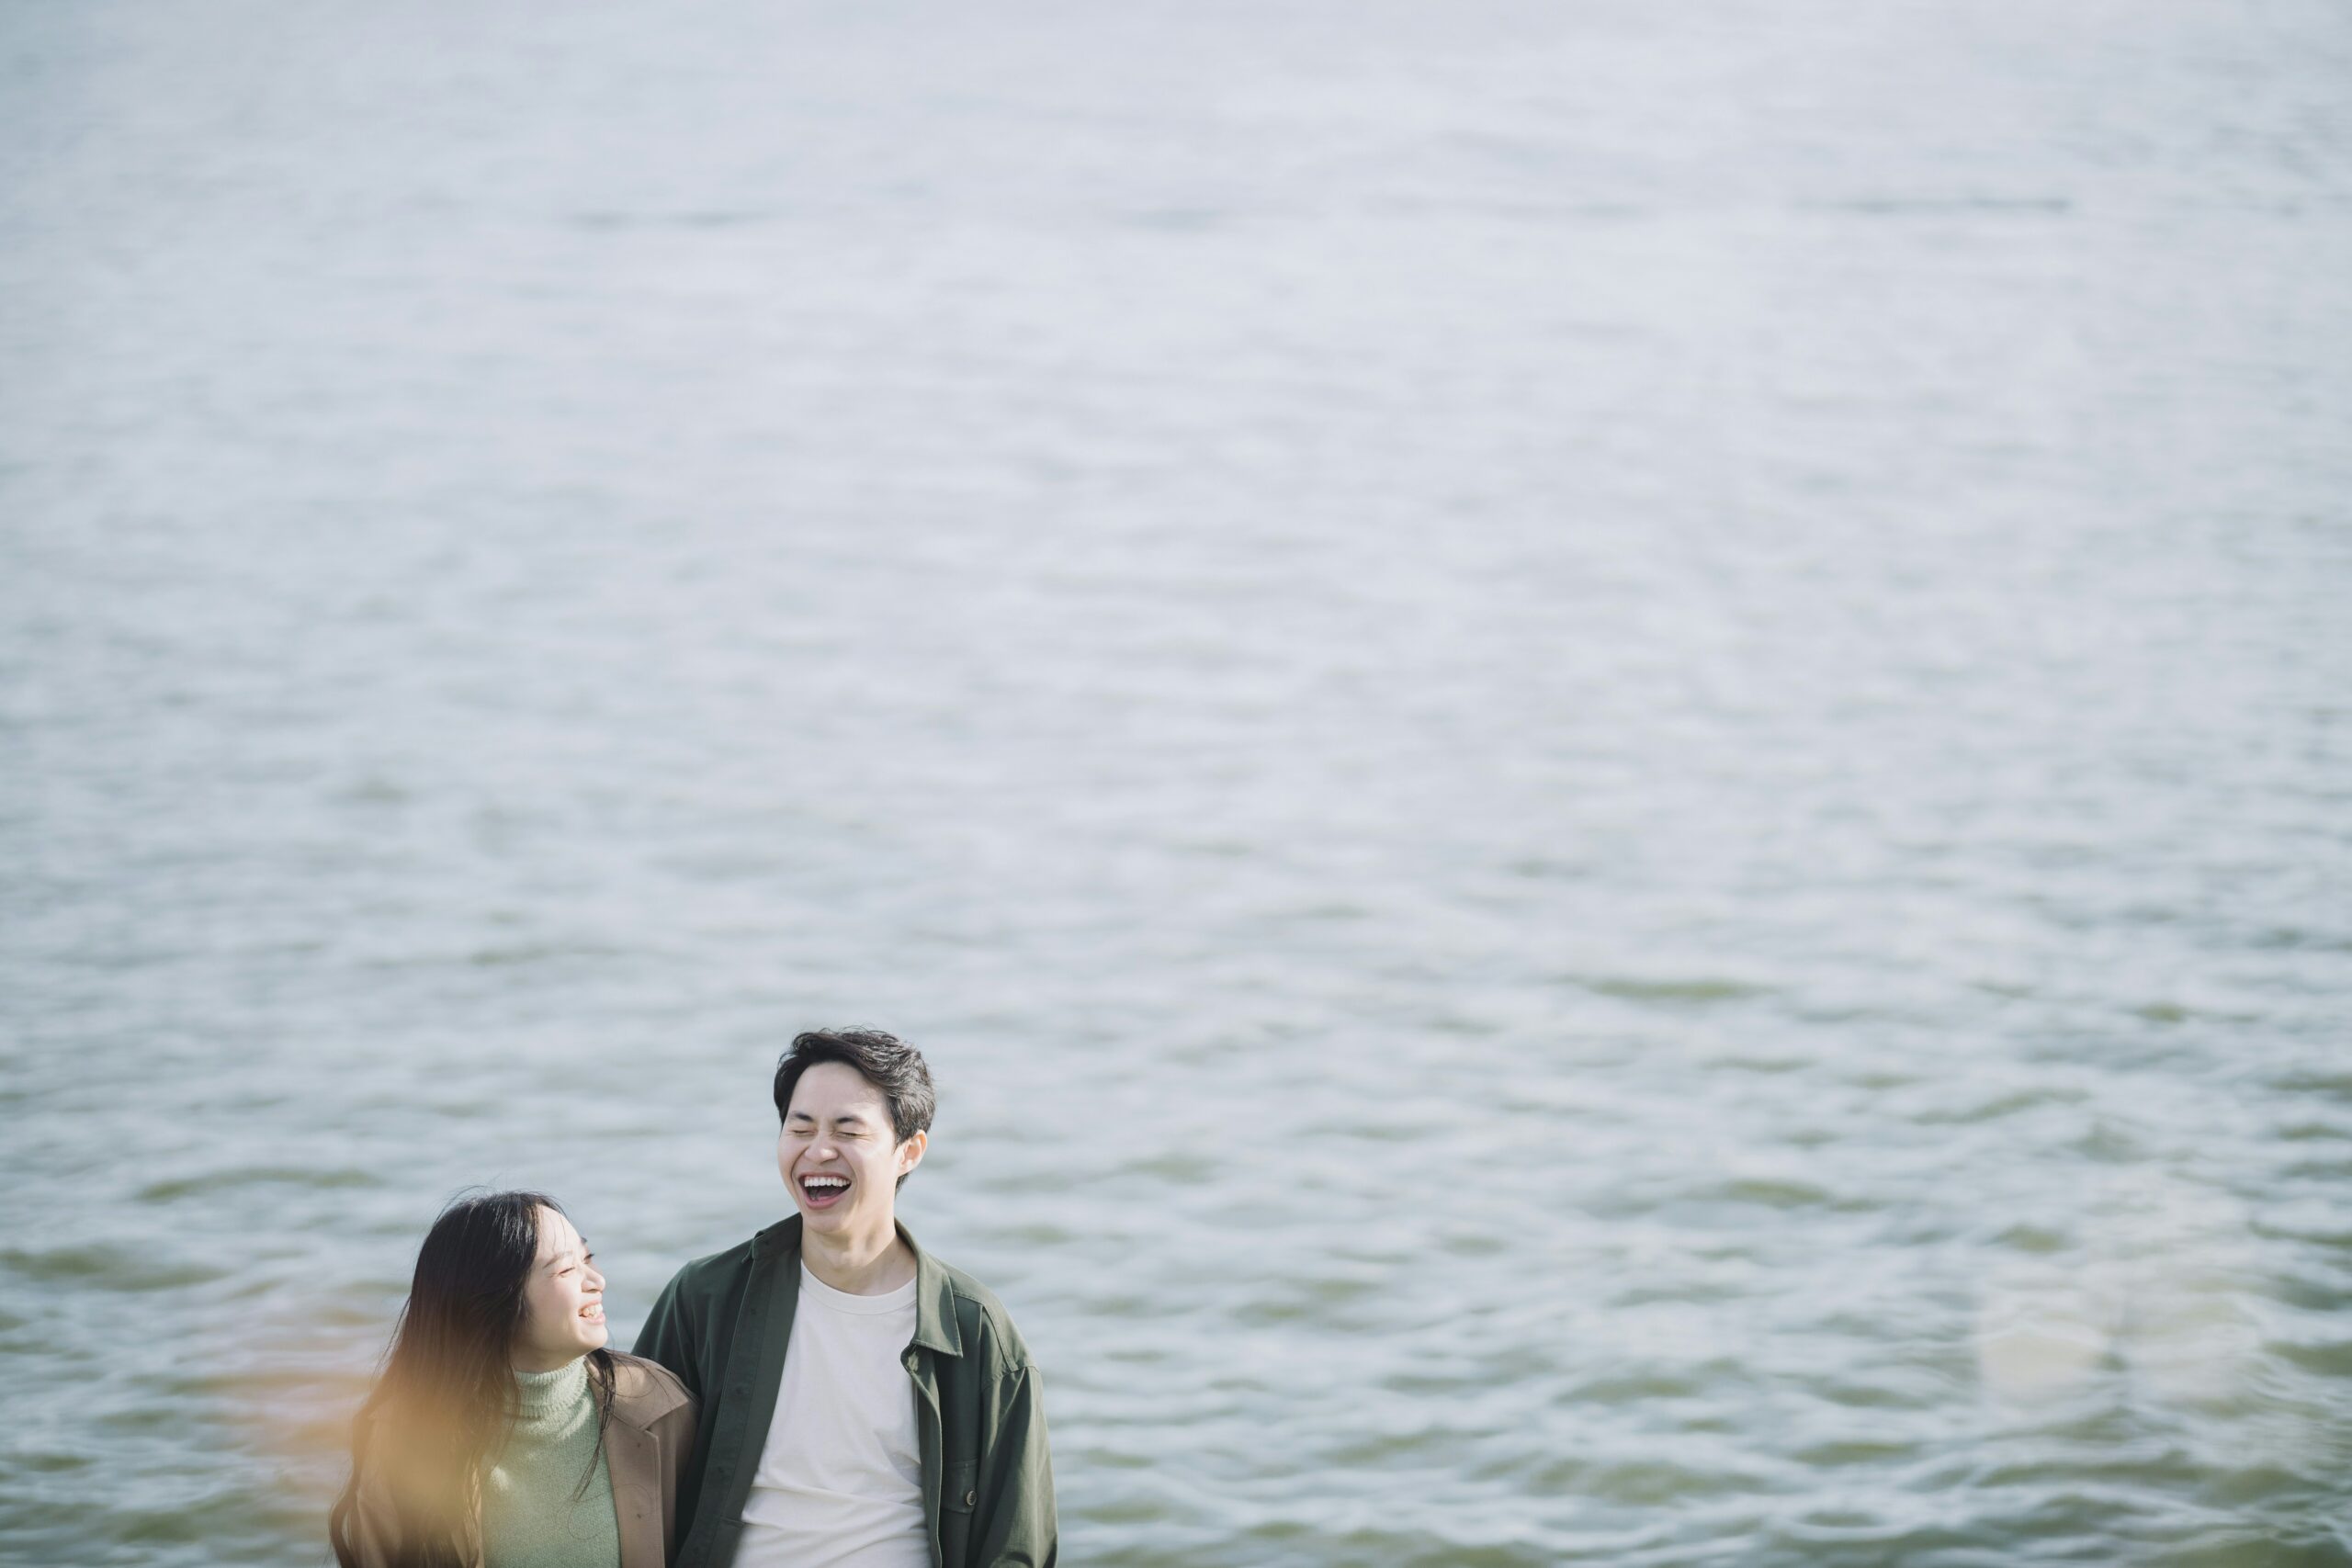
1604	745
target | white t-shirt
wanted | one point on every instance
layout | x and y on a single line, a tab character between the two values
840	1483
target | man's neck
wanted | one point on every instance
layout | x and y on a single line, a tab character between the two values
870	1265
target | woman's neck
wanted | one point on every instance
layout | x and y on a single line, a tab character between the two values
548	1403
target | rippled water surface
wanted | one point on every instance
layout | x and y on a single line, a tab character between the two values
1604	745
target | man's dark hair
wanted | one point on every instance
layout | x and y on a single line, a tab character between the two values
886	1062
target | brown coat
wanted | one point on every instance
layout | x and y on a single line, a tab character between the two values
646	1444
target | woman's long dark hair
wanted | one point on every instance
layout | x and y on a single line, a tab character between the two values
447	1398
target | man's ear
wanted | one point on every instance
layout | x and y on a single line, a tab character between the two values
910	1151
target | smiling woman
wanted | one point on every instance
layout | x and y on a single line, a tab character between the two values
502	1433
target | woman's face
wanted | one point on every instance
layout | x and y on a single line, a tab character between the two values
563	1303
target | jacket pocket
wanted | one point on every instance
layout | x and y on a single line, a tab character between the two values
957	1500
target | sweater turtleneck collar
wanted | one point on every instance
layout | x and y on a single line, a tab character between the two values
551	1403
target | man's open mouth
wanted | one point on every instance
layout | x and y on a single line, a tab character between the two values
823	1191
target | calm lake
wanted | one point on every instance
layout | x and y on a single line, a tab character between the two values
1607	748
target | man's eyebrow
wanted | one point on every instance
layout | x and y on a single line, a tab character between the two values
566	1255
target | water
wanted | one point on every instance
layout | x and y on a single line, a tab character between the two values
1605	747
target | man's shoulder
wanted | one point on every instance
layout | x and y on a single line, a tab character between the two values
980	1317
716	1272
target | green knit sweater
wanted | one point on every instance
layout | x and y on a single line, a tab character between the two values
533	1513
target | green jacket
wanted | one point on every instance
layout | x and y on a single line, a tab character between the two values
722	1325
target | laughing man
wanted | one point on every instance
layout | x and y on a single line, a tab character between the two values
862	1405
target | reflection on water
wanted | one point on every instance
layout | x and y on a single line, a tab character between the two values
1605	751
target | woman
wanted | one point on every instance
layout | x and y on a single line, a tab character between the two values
502	1433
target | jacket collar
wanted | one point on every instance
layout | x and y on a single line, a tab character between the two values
935	1326
639	1397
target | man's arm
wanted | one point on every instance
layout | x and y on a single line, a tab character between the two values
672	1337
1013	1525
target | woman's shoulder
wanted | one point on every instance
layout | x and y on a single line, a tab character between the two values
645	1391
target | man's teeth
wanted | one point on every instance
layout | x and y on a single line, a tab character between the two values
825	1183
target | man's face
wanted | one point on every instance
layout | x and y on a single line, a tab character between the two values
840	1154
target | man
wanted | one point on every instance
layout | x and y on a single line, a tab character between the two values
862	1404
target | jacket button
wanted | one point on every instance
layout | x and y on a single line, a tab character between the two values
970	1498
742	1388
